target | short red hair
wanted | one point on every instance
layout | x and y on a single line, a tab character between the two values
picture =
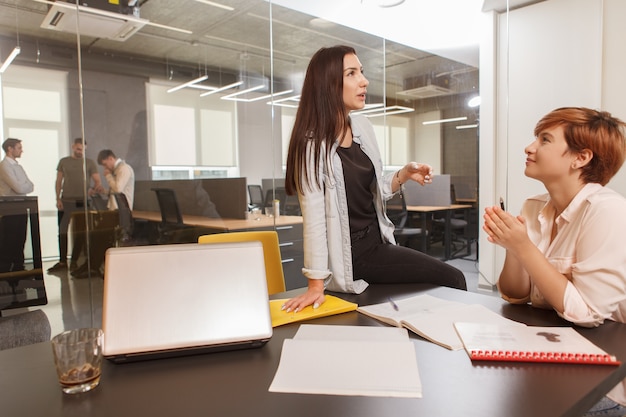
590	129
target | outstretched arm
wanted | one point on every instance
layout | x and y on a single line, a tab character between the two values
421	173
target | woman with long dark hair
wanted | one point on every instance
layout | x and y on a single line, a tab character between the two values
335	168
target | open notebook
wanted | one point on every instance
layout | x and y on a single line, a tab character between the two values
172	300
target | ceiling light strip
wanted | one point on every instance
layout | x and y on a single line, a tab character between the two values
188	83
292	98
226	87
472	126
283	104
158	25
203	87
385	110
238	93
292	102
452	119
281	93
15	52
214	4
389	113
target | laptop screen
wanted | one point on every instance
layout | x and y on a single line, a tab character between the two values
169	298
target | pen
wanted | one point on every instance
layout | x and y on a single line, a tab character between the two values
393	304
502	204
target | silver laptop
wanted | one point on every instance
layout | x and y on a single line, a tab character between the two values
173	300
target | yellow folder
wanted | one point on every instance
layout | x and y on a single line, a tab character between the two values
332	305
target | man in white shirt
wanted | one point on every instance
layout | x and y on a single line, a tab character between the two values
121	179
119	175
13	182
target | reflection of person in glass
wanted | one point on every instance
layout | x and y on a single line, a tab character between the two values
335	167
565	251
69	187
119	175
13	181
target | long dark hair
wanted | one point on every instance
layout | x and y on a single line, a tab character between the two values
322	116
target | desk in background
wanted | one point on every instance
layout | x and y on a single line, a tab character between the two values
427	217
289	229
236	383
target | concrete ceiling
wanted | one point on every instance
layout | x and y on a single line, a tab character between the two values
228	44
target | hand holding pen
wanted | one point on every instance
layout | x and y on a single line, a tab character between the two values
503	228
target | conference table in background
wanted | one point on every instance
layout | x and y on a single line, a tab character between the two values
236	383
288	228
427	217
224	224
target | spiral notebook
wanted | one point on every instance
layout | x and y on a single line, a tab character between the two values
493	342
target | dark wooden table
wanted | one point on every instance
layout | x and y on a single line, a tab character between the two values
236	383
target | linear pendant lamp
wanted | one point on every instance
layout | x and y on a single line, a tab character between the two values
471	126
214	4
452	119
291	102
188	84
226	87
242	92
385	111
15	52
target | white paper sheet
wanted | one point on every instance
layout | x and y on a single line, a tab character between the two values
378	361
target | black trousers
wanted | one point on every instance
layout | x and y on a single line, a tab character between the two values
383	263
64	217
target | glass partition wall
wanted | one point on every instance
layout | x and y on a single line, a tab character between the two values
200	91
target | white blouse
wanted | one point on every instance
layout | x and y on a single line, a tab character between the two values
589	250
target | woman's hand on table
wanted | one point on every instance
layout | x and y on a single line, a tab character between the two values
314	296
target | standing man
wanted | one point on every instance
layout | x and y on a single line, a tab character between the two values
13	181
69	189
121	179
119	175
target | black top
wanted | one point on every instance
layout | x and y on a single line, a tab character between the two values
359	177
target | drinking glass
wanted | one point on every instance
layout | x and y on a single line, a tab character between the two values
78	359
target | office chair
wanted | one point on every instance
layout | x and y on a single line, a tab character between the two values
124	230
171	216
398	214
458	226
255	192
24	329
98	203
289	205
271	253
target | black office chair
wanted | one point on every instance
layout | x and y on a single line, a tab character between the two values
398	214
125	229
460	243
171	217
289	204
255	192
98	203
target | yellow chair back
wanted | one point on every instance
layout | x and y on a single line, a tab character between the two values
271	253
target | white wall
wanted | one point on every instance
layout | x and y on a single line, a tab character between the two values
613	64
260	142
549	55
427	141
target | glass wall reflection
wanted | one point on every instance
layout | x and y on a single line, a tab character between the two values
199	97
